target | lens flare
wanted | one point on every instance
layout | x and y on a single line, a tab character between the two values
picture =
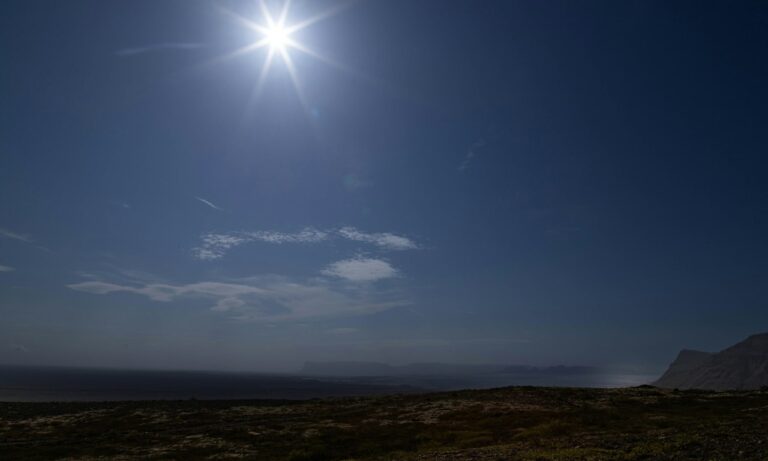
275	34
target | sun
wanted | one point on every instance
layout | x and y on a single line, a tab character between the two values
273	32
277	37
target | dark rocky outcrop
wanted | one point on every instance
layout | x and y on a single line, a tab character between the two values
742	366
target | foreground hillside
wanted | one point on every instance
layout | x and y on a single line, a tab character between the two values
511	423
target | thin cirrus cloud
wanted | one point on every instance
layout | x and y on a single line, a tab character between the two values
361	270
209	203
271	298
6	268
383	240
169	46
471	154
15	236
216	245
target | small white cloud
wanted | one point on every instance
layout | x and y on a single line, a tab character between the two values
158	47
384	240
15	236
361	270
228	304
6	268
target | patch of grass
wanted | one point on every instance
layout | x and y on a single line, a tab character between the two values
547	430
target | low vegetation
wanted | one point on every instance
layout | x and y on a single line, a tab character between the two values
520	423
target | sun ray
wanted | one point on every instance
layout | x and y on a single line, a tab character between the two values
266	13
319	17
250	106
318	56
264	70
284	13
295	79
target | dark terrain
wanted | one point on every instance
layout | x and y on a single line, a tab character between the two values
741	366
516	423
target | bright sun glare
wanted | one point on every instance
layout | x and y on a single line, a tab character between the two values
275	34
277	37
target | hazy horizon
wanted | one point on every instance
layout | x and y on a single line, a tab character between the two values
298	370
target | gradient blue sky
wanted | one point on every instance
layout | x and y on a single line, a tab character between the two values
534	182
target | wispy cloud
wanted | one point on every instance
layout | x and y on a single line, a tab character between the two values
209	203
6	268
169	46
165	292
354	182
121	275
361	270
383	240
15	236
308	235
271	298
216	245
471	154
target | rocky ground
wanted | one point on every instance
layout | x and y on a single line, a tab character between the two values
520	423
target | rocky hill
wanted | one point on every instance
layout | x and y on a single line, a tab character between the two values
742	366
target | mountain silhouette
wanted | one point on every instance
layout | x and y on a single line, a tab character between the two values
741	366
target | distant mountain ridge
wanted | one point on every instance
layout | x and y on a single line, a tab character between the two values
742	366
357	369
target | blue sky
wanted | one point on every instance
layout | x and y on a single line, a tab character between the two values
487	182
